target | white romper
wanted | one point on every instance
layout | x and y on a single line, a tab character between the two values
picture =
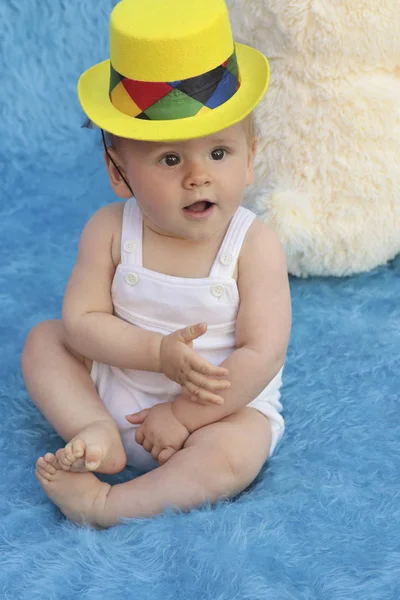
165	303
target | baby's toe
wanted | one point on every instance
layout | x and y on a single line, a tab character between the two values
48	462
78	448
42	477
45	469
50	459
63	461
69	455
74	450
40	464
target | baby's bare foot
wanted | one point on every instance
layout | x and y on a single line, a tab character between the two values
98	447
80	497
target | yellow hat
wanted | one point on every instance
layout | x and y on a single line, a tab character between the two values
174	72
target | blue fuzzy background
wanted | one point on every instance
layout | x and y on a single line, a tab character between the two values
322	519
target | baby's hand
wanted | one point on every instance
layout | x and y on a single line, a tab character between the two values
160	432
195	374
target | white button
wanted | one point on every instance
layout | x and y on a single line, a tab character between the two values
226	259
217	290
131	278
129	246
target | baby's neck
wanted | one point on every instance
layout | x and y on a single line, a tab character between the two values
179	257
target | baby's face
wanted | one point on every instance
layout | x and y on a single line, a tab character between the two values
190	189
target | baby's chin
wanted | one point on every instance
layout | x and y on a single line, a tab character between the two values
192	227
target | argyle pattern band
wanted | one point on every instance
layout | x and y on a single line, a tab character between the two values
175	99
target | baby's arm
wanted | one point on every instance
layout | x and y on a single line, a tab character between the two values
87	314
262	329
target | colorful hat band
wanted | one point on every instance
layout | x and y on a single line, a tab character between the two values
175	99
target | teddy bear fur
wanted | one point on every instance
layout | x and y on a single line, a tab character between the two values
328	165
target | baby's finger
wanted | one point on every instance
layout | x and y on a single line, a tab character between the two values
165	455
201	365
191	332
155	452
196	394
137	418
139	436
147	445
206	383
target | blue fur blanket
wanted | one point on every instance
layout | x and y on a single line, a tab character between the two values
322	519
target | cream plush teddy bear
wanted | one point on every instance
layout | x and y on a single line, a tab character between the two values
328	165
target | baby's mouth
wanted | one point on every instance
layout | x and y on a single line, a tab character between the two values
199	206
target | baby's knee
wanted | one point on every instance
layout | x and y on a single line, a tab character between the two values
44	331
49	336
230	464
231	474
41	335
238	468
244	458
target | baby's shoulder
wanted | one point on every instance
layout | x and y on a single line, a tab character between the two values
260	238
110	213
262	254
104	228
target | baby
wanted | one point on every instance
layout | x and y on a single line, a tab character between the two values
176	317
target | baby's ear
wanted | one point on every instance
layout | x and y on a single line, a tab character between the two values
116	175
252	153
253	147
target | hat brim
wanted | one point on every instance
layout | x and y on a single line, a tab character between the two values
93	94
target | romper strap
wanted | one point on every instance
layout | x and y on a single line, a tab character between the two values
132	234
226	259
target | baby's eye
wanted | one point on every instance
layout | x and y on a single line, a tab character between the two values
218	154
170	160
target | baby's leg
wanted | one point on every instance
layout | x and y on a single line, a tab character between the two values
218	461
58	381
